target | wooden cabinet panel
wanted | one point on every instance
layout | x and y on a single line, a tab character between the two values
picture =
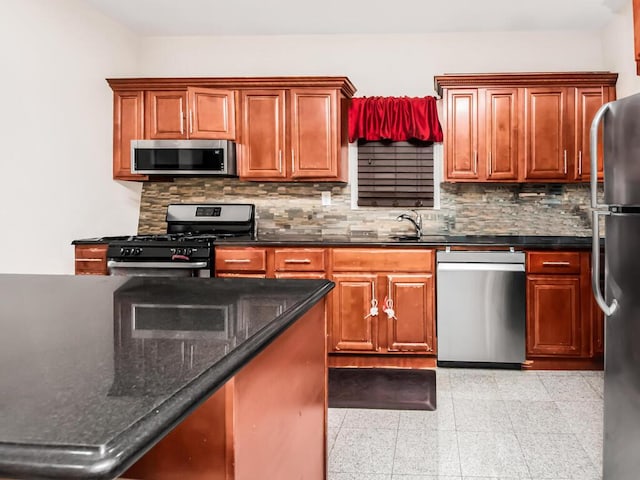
204	113
411	329
501	149
246	259
165	113
128	124
352	326
546	153
91	259
263	138
553	262
299	259
461	144
554	315
211	113
315	147
587	102
382	260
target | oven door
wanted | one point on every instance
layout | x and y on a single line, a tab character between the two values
159	269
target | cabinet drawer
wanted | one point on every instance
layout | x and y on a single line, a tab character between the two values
241	259
553	262
382	260
91	259
299	260
91	252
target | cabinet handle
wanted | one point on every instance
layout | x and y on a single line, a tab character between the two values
89	259
237	260
556	264
293	160
181	122
475	162
580	162
295	260
565	161
191	121
490	165
280	161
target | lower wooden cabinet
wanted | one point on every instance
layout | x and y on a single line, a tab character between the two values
383	301
91	259
561	319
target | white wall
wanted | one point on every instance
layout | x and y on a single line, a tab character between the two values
56	132
376	64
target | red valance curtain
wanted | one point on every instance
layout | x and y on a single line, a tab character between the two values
394	118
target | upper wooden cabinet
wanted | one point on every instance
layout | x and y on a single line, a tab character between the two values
292	134
286	128
521	127
199	113
128	124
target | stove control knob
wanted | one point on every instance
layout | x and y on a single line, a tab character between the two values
126	251
173	251
137	251
188	251
179	251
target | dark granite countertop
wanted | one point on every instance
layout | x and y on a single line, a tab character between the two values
85	390
519	241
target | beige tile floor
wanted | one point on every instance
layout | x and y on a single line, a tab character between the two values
488	425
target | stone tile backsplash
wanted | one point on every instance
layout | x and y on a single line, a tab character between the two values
296	208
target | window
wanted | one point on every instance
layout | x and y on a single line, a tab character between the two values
395	174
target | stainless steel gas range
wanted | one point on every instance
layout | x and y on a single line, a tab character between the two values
187	247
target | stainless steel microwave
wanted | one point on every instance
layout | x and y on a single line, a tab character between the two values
183	157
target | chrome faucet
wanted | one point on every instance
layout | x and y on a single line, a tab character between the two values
416	222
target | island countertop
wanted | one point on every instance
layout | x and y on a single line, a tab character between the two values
96	369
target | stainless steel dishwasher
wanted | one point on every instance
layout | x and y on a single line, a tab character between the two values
480	308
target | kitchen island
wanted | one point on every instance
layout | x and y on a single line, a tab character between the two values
153	378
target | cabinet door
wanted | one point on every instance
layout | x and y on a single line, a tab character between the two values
352	328
128	108
553	315
546	117
314	134
461	144
263	135
165	113
587	103
211	113
128	122
500	135
412	329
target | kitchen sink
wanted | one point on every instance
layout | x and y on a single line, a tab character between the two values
405	238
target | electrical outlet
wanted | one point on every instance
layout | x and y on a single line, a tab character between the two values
326	199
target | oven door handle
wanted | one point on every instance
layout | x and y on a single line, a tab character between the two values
116	264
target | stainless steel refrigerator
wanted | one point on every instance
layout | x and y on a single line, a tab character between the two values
619	124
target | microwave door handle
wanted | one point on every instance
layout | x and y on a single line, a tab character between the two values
175	265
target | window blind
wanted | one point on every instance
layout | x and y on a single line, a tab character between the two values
395	174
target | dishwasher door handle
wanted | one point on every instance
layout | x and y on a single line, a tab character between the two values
485	267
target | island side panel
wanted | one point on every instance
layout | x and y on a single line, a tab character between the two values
280	412
268	421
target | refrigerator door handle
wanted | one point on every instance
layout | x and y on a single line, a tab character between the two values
596	211
593	143
595	267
